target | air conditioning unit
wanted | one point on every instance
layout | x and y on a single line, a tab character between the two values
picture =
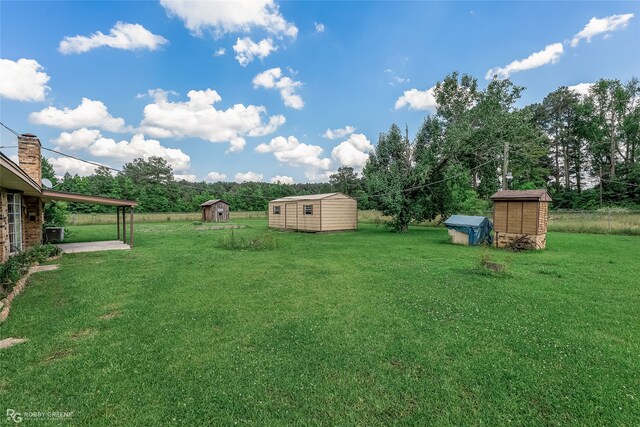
54	234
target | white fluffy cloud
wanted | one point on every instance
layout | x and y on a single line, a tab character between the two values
220	52
549	55
23	80
185	177
126	151
94	143
247	50
239	16
273	79
76	140
199	118
581	88
338	133
63	165
280	179
353	152
122	36
318	176
290	151
319	27
248	177
88	114
214	176
418	99
597	26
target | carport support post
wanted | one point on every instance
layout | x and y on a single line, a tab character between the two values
131	226
124	225
118	220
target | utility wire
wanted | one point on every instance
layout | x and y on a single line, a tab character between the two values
82	160
9	129
417	187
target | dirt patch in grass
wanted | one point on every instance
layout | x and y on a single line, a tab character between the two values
85	333
57	355
110	315
8	342
396	364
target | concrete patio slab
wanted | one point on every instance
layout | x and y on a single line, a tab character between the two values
8	342
109	245
39	268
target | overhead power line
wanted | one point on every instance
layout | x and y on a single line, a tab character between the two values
82	160
9	129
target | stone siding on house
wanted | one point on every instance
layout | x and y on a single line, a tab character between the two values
32	221
4	226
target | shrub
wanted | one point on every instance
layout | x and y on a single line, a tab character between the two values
18	265
487	267
238	242
56	214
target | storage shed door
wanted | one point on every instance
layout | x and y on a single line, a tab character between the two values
291	215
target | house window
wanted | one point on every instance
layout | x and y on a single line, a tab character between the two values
308	209
14	210
276	210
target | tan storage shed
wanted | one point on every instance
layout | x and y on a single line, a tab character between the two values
521	216
316	212
215	211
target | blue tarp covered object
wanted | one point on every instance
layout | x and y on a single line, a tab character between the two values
478	228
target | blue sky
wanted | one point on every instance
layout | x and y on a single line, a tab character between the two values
299	68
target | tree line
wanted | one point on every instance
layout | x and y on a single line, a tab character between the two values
583	148
152	184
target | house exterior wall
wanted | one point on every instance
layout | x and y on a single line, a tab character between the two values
339	212
32	209
32	215
4	226
32	221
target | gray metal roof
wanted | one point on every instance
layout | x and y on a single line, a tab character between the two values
470	221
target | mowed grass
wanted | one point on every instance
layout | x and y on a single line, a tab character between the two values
601	222
358	328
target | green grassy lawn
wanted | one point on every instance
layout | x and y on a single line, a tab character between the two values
359	328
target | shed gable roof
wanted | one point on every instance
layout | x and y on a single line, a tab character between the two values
308	197
212	202
538	195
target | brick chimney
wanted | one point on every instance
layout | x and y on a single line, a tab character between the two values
29	156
